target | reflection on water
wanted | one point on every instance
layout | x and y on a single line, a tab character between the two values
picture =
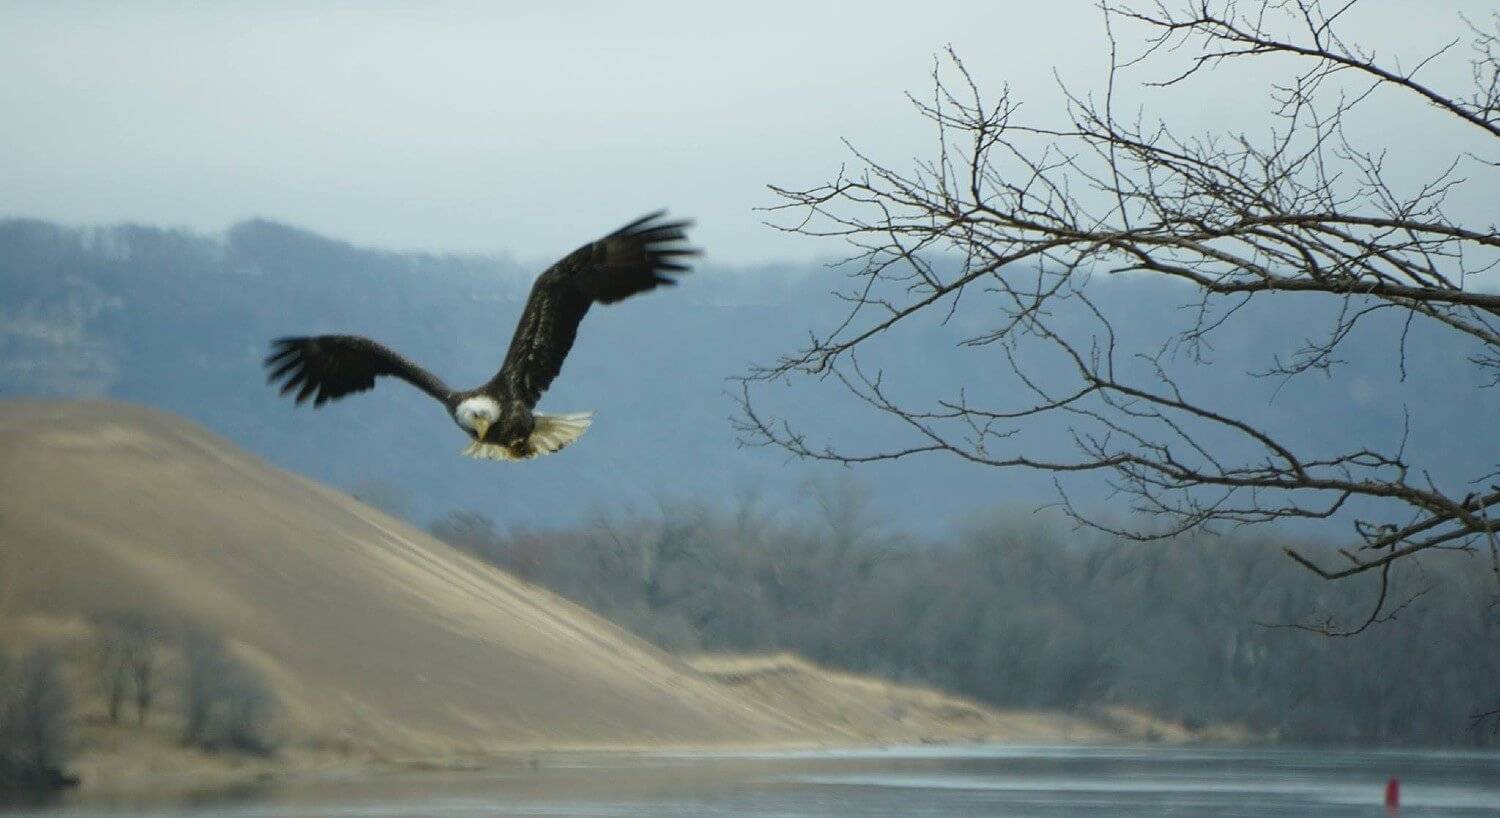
928	781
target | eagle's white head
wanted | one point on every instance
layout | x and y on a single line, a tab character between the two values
547	433
477	414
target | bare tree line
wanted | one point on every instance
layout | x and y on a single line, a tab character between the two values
1016	219
1019	611
134	659
225	704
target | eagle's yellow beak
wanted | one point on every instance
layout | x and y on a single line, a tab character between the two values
481	427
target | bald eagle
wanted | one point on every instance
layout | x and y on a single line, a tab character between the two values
499	416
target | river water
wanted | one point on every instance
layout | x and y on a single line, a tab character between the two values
924	781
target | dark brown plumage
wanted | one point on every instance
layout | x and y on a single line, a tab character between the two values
640	256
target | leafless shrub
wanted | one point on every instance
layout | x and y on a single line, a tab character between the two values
226	704
33	723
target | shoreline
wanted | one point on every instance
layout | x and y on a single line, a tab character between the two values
210	775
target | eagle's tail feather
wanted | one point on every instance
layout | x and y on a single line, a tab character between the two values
551	433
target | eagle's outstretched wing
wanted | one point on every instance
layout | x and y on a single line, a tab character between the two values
328	367
638	257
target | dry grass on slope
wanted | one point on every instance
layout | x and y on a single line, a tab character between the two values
862	709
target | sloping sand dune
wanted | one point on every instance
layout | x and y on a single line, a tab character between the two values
369	630
375	637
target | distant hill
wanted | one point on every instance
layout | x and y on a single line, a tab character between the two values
180	321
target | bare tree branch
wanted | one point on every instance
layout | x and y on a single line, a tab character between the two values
1028	216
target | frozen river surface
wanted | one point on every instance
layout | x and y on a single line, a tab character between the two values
928	781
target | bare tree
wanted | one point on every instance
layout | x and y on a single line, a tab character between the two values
204	661
33	721
125	656
112	666
143	637
1022	220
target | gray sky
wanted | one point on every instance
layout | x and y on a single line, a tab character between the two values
519	127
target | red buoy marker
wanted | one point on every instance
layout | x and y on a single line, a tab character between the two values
1393	795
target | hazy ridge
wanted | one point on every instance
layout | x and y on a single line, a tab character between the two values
180	321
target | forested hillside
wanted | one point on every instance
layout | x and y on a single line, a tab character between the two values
1020	611
181	321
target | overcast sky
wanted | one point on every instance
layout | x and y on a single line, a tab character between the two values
520	127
